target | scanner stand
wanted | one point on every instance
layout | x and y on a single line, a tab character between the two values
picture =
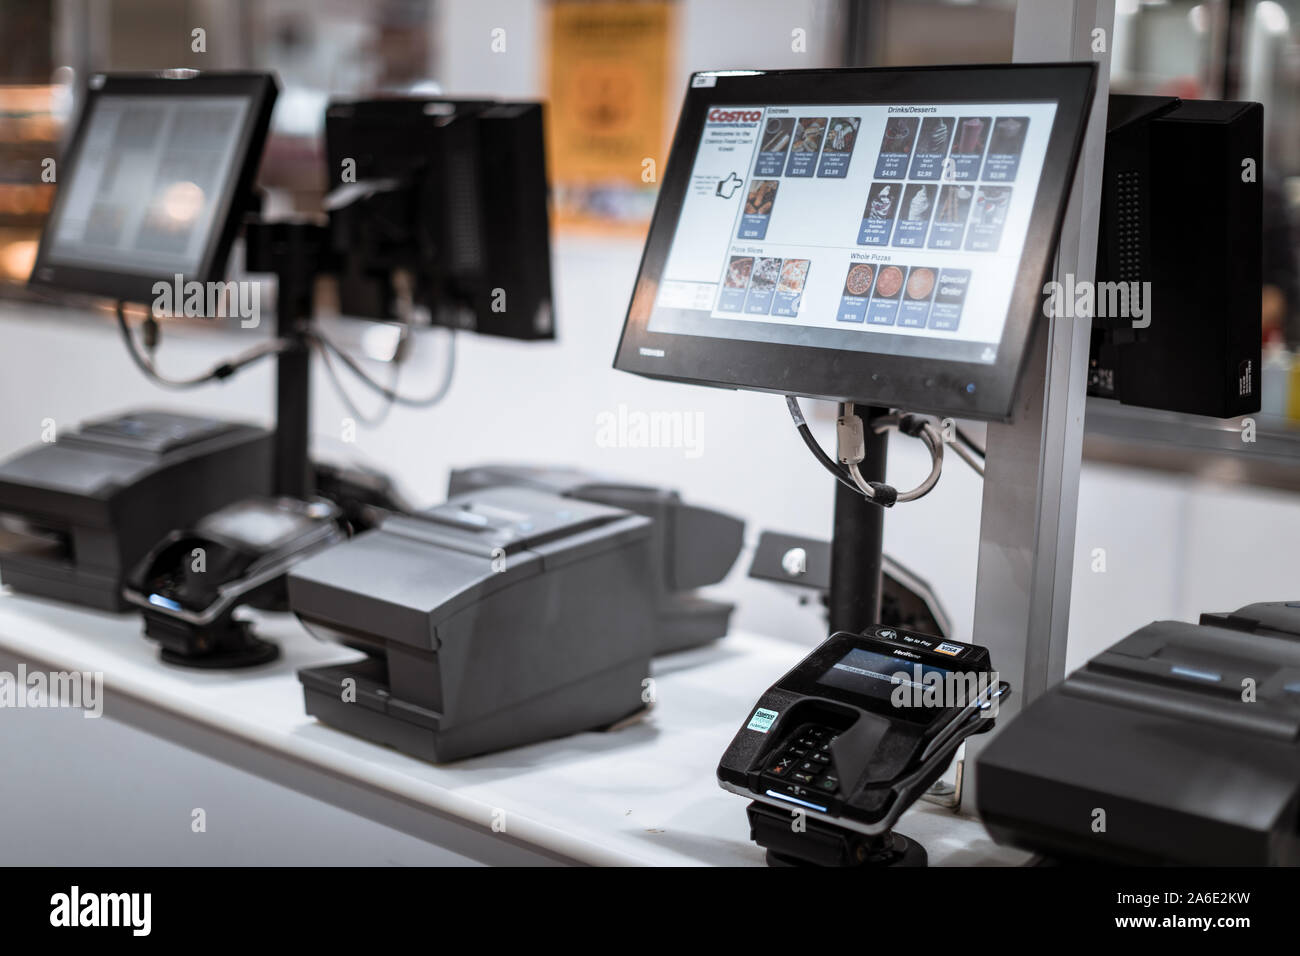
228	645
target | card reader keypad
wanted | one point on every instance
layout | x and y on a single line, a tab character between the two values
804	761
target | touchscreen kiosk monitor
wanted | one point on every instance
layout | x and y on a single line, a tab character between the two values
876	236
154	182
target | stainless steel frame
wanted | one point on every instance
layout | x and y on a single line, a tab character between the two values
1031	481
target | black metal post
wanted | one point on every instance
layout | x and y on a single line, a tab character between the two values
293	475
294	252
857	541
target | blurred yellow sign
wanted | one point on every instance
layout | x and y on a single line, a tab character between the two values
608	80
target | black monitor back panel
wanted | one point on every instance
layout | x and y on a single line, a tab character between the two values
1182	204
462	204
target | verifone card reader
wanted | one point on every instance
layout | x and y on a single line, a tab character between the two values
499	618
851	737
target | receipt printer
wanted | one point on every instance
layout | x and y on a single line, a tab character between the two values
691	547
500	618
78	513
1178	745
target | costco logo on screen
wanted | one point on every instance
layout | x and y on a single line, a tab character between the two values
735	116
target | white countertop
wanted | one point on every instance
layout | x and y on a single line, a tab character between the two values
643	794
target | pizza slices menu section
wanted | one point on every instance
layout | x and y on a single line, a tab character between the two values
906	218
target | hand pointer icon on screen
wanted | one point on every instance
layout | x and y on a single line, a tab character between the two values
727	187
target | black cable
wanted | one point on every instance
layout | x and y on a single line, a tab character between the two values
969	442
826	461
217	373
355	368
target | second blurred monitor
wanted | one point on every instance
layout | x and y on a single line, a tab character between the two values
451	193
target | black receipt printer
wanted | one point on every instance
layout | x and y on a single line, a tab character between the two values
78	513
692	547
1178	745
500	618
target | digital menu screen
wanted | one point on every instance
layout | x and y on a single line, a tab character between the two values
895	229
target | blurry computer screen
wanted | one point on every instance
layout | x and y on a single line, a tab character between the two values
154	183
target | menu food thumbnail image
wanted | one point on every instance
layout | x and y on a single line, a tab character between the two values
841	137
808	134
778	133
758	208
896	147
1005	146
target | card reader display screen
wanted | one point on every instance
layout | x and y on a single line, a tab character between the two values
148	181
877	676
895	229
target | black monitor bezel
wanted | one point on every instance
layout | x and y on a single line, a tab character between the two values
968	390
259	88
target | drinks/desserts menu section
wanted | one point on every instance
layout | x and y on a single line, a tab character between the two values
908	219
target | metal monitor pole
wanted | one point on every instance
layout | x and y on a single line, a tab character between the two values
1031	479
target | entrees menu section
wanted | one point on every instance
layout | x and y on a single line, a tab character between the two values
889	228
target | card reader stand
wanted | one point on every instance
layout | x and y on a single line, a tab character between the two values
190	586
832	757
